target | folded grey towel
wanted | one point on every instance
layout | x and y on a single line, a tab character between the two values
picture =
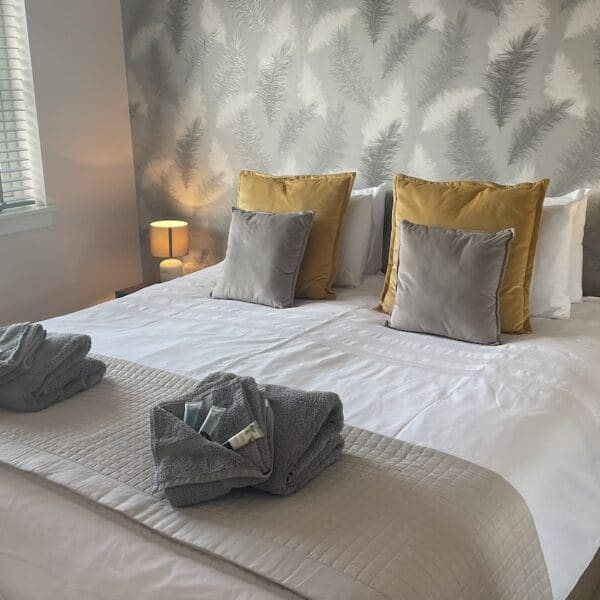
18	345
302	437
191	469
307	436
59	369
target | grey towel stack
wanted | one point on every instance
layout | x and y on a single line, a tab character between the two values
38	369
302	437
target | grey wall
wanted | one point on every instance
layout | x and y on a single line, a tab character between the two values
92	248
496	89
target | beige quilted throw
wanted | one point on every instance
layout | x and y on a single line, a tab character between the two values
388	520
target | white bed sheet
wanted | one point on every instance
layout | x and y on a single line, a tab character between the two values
529	409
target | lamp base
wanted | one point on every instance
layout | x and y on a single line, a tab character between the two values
170	268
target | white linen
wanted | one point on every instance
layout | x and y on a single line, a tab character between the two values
550	285
355	240
529	409
576	262
373	264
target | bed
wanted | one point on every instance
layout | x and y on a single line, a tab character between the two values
528	410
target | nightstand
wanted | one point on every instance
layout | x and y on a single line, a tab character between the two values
134	288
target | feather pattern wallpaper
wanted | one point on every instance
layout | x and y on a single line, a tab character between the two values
491	89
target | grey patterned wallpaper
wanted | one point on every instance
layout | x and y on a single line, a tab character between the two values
497	89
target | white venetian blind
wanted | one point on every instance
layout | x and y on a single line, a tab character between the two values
21	178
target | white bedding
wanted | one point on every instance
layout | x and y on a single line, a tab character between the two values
529	410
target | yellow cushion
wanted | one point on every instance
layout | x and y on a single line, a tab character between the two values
328	196
474	205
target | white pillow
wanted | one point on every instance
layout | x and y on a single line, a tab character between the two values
551	284
576	269
377	194
354	244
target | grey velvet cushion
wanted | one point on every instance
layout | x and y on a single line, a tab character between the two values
591	248
449	281
264	253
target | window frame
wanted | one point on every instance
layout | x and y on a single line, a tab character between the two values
19	135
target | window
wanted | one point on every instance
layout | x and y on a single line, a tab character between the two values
21	178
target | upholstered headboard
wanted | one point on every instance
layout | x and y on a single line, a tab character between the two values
387	228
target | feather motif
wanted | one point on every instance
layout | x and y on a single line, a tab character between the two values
312	11
251	13
421	165
218	162
271	81
391	107
449	62
467	150
159	73
292	126
280	32
525	173
327	28
211	21
494	6
219	175
434	8
310	91
506	76
564	83
135	13
151	144
348	72
177	22
137	100
186	151
328	151
597	50
442	112
581	162
190	108
143	39
378	157
155	172
197	53
230	110
375	14
533	127
231	69
289	166
249	143
517	18
568	4
584	18
403	41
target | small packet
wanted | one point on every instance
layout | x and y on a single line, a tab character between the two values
250	433
212	420
191	412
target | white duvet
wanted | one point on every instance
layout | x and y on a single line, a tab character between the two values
529	410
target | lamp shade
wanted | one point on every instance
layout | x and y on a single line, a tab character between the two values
169	239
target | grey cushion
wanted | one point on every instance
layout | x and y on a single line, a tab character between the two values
264	253
591	248
449	282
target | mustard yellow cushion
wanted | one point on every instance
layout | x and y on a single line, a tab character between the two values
327	196
474	205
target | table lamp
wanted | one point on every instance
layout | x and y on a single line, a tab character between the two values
169	240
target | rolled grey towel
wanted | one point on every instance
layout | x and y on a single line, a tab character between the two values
307	436
191	469
60	368
18	345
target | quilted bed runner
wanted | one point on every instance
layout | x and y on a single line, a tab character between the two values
388	520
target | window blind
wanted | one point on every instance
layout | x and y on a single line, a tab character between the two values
21	179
